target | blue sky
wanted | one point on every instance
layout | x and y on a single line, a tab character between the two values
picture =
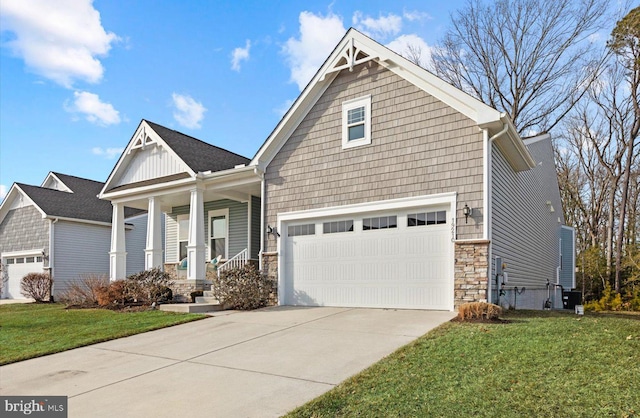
76	76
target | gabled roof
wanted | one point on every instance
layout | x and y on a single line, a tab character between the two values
356	48
198	155
79	203
193	156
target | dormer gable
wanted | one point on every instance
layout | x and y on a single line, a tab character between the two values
52	181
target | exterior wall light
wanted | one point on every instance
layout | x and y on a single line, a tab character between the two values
466	211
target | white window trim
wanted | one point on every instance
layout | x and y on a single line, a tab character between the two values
352	104
178	240
214	213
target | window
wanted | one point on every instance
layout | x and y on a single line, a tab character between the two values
382	222
356	122
20	260
337	226
218	233
11	260
297	230
30	259
427	218
39	259
183	236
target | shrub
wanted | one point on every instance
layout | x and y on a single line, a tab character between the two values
613	301
85	290
243	288
36	286
479	310
117	293
150	286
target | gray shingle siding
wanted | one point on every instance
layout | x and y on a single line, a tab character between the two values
420	146
24	229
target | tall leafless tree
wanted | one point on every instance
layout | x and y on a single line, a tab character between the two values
532	59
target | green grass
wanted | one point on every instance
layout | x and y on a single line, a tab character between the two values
550	364
33	330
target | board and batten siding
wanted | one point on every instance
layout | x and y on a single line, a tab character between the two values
524	229
80	250
149	163
237	226
420	146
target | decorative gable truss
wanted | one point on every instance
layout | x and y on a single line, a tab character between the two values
350	56
146	158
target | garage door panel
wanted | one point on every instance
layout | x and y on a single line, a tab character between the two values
402	267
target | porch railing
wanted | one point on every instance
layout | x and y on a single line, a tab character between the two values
237	261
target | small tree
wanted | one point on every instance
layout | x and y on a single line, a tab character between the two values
37	286
243	288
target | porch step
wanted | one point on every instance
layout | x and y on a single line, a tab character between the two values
206	299
208	294
192	307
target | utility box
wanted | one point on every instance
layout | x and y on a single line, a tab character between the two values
570	299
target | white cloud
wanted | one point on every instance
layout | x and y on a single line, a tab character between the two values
414	15
381	27
188	112
283	108
412	47
3	191
93	109
108	153
318	36
59	40
240	54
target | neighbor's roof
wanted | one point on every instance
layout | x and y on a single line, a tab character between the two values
82	204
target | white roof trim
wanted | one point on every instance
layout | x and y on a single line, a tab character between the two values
144	136
354	49
52	176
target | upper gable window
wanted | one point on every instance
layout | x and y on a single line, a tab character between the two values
356	122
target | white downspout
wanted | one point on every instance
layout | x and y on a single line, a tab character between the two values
487	199
51	252
262	219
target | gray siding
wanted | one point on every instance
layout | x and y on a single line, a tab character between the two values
238	227
568	265
256	227
79	249
24	229
524	230
136	241
420	146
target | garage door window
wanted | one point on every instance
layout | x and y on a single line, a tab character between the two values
20	260
10	261
299	230
427	218
381	222
337	226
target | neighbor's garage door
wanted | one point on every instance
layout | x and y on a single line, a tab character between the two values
17	268
399	259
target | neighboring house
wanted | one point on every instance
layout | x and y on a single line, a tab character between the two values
382	186
62	228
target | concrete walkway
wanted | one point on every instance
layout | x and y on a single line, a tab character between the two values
235	364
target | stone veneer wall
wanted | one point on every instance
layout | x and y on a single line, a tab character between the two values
470	272
182	288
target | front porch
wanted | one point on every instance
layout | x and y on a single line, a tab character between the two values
203	203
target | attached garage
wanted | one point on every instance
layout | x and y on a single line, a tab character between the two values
18	266
393	254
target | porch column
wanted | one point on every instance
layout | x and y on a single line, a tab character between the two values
118	253
153	251
196	244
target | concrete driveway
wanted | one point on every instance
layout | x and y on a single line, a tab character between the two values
235	364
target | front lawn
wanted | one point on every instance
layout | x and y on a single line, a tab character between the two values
553	364
32	330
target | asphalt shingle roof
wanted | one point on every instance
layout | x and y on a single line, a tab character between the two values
82	204
198	155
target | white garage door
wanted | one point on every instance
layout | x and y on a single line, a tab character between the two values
17	268
393	259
